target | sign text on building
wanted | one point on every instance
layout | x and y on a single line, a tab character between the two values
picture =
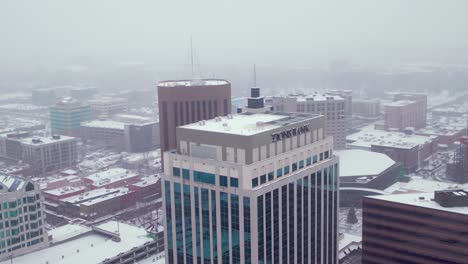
290	133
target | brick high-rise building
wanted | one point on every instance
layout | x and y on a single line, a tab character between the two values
406	110
188	101
416	228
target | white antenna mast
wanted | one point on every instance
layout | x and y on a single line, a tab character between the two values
255	75
191	55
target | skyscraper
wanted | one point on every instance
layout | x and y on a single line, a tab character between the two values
188	101
252	188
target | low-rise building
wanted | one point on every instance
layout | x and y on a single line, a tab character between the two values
149	188
21	217
416	228
111	178
409	149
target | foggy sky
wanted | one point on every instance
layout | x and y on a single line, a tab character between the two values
49	32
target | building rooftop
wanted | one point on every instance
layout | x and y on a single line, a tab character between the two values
104	124
95	196
195	82
37	141
90	248
425	200
64	190
356	162
12	183
419	184
110	176
399	103
369	136
106	100
248	124
318	97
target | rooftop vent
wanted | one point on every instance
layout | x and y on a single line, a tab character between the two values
451	198
56	137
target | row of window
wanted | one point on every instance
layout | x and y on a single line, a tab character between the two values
286	169
14	204
205	177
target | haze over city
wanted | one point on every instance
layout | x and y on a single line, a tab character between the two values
311	132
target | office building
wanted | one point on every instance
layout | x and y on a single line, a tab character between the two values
333	107
406	110
67	115
22	223
49	154
108	106
416	228
123	132
83	93
188	101
43	97
252	188
366	107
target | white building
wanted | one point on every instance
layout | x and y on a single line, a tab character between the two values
252	188
333	107
21	217
108	106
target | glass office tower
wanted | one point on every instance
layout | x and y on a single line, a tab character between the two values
252	188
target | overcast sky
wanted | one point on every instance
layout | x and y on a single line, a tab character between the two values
231	32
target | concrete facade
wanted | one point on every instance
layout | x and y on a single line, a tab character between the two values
406	110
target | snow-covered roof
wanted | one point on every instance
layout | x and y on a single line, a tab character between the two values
110	176
64	190
425	200
95	196
419	184
400	103
36	141
92	248
369	136
68	231
104	124
194	82
356	162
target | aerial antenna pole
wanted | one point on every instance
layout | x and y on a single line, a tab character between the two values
191	54
255	75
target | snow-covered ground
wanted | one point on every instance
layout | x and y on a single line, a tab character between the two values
354	229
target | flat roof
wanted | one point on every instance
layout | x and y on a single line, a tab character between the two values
110	176
425	200
357	162
91	248
248	124
105	100
44	140
104	124
194	82
369	136
94	195
64	190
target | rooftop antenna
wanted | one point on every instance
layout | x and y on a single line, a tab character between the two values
191	55
255	75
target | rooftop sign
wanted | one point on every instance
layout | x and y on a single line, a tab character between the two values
290	133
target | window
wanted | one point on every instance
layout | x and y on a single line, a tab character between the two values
255	182
301	164
262	179
223	181
234	182
315	159
204	177
294	166
186	174
321	156
286	170
308	161
279	172
271	176
326	154
175	171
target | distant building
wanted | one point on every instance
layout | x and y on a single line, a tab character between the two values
410	150
415	228
22	229
43	97
188	101
108	106
238	103
123	132
46	155
67	115
83	93
366	108
333	107
406	110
